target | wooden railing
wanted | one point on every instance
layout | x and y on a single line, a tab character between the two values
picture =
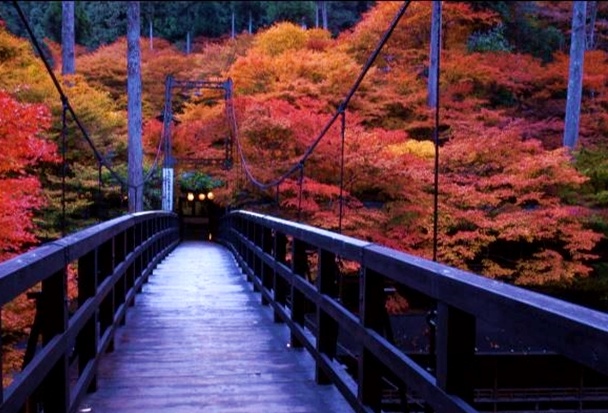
112	260
296	268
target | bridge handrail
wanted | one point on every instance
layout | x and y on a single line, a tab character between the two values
462	298
113	259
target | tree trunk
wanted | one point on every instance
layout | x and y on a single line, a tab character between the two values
151	35
68	64
590	40
188	46
250	22
136	199
575	76
316	14
233	28
435	49
324	14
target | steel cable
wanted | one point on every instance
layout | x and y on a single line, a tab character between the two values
342	107
65	101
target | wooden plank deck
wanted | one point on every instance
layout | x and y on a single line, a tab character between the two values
198	340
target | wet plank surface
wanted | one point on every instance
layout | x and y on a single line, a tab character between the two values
198	340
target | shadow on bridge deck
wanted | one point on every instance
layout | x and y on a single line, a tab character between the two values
197	340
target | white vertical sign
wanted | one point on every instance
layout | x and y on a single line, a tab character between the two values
167	189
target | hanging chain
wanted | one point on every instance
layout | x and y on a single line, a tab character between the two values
343	115
436	140
64	132
301	183
99	180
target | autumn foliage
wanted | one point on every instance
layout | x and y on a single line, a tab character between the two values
21	129
21	135
503	176
512	204
503	179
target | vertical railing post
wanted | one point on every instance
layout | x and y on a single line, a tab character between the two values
130	276
455	351
160	226
145	226
371	315
87	340
150	249
120	288
327	327
249	229
232	227
267	272
138	263
237	234
106	269
299	266
243	231
55	386
256	261
279	286
243	238
156	245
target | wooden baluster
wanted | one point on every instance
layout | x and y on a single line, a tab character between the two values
267	273
455	351
280	289
327	327
371	314
106	269
146	253
249	231
138	266
55	386
120	288
236	236
156	243
299	266
87	340
130	276
256	261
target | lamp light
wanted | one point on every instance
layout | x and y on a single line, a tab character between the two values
210	195
201	197
190	196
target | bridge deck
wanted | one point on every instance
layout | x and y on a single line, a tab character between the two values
198	340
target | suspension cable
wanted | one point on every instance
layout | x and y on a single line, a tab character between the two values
156	158
342	107
342	134
232	118
436	140
64	99
301	183
99	180
376	52
64	132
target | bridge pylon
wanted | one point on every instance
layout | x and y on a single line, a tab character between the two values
167	118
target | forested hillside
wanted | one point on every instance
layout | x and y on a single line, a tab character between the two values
513	203
103	22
